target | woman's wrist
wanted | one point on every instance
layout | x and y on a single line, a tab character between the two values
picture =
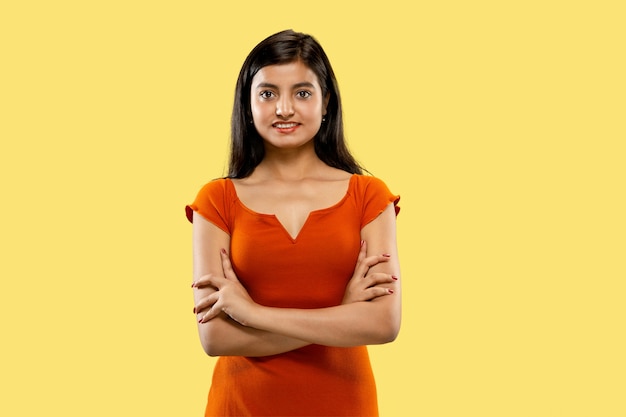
254	316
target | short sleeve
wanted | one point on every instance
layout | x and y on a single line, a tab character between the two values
213	204
375	198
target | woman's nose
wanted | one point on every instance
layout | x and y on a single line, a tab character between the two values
284	107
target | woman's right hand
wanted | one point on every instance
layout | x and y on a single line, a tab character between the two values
364	286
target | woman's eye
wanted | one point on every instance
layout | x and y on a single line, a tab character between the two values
304	94
266	94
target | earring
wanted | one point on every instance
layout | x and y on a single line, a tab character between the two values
323	119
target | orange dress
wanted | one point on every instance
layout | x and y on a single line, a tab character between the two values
308	271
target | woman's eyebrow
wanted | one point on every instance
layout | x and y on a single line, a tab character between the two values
267	85
297	85
304	84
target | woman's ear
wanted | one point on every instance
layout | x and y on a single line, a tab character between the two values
325	105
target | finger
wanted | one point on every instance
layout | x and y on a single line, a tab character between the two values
204	281
363	266
373	293
362	254
362	251
370	261
379	278
227	266
213	312
376	292
206	302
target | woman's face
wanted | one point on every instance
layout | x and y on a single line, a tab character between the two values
287	104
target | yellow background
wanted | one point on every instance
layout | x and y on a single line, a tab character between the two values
501	124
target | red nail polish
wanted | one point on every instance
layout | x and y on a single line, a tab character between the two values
224	251
390	291
362	242
194	310
386	255
395	278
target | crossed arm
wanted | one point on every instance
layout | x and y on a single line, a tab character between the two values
231	323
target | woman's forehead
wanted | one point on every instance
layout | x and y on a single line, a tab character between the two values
289	74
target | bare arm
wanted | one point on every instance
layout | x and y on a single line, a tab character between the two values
222	335
358	323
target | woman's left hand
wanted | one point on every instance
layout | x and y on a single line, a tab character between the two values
231	297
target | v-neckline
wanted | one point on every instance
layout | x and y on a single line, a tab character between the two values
291	237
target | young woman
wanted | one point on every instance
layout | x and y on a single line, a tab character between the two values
295	261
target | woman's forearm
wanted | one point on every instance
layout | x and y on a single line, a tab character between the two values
355	324
223	336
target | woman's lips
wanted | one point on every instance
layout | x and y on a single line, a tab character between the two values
285	127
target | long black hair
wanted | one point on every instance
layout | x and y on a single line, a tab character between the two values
247	149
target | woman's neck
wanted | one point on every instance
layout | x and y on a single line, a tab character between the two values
290	165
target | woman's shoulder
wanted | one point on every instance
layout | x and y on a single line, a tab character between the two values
213	197
365	181
216	185
373	191
218	189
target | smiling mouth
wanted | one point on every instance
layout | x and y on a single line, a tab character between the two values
285	125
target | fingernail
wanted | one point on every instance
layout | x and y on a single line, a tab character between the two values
194	310
362	242
395	278
390	291
386	255
223	251
193	284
